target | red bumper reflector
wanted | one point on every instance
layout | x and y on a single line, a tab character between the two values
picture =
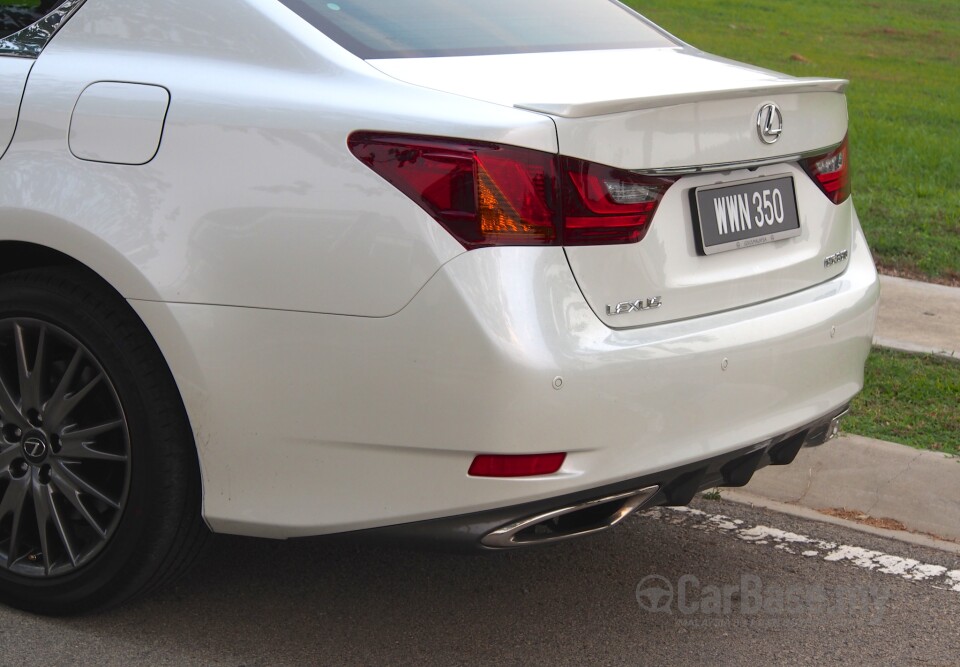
515	465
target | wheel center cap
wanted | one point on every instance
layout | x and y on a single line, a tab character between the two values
35	447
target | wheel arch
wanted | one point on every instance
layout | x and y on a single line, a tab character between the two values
68	334
18	255
21	255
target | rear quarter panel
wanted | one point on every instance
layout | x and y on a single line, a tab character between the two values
253	198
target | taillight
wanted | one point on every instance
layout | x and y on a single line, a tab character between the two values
492	195
831	172
606	205
483	194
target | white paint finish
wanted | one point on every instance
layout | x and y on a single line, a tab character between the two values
666	262
667	131
705	133
13	78
719	92
254	199
810	547
591	83
425	354
119	123
365	414
645	108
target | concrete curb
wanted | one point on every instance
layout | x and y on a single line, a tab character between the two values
918	539
920	489
892	344
919	317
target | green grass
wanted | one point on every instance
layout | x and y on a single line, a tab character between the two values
903	59
910	399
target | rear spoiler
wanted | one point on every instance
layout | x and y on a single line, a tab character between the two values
786	87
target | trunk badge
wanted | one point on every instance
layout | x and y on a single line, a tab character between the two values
635	306
769	123
835	258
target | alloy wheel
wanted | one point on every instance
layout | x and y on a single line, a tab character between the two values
64	451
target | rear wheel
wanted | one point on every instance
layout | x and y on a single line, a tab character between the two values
99	482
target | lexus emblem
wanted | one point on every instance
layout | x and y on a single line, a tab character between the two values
769	123
34	448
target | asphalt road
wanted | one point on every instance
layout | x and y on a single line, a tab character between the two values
724	598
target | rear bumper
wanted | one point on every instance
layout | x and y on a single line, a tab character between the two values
311	424
572	515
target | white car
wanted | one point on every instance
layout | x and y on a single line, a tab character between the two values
494	274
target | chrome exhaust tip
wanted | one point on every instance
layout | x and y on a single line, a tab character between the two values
827	432
577	520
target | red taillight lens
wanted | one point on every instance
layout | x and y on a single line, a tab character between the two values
493	195
831	172
483	194
607	205
515	465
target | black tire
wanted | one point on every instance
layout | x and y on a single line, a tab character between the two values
99	495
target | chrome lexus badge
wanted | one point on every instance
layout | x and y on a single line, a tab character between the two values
34	448
637	306
769	123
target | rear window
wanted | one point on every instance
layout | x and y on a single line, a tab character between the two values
423	28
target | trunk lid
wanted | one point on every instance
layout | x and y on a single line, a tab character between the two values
678	112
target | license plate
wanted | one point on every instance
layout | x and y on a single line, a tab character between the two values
746	214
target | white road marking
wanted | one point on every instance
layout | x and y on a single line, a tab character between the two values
810	547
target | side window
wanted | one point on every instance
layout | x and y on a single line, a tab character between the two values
16	15
27	25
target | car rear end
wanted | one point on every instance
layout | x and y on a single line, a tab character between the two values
680	294
660	283
497	274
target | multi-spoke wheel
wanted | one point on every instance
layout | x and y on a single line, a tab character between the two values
99	485
64	451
